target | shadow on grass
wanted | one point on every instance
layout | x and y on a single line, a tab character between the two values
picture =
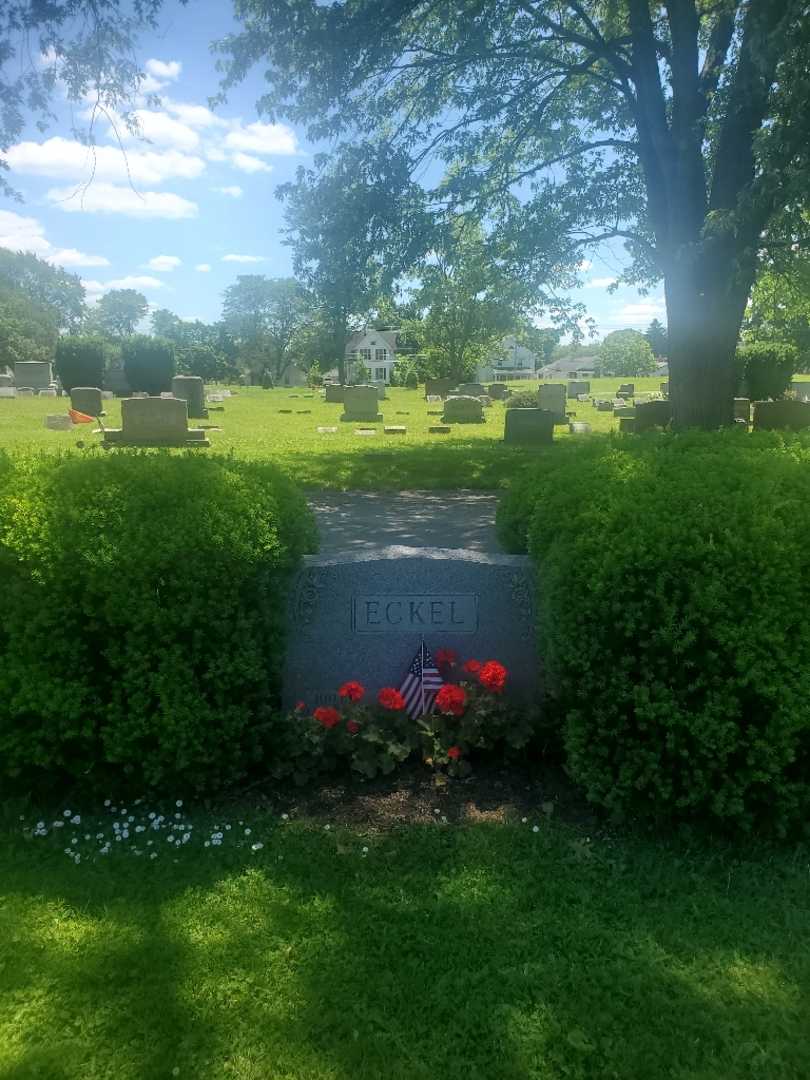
460	463
486	952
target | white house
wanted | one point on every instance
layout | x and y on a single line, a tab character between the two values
376	350
508	360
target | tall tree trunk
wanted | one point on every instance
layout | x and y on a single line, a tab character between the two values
705	305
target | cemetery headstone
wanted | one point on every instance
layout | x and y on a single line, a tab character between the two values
333	394
394	429
651	414
551	396
25	391
529	427
364	615
154	421
577	387
361	403
627	425
87	400
439	429
625	412
326	430
34	373
365	432
8	391
801	390
578	427
626	390
781	415
285	411
463	410
664	388
48	391
380	384
742	409
60	422
438	387
498	391
6	380
604	406
116	381
472	389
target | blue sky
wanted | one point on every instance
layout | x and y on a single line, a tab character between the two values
203	208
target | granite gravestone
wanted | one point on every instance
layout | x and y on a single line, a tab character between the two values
360	405
500	392
781	415
191	389
742	409
576	388
551	396
154	421
87	400
471	389
801	390
626	390
437	388
463	410
528	427
8	391
652	414
8	380
34	373
363	616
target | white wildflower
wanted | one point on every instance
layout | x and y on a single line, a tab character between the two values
76	819
525	820
179	803
248	832
107	802
535	828
170	839
151	815
65	813
285	817
257	846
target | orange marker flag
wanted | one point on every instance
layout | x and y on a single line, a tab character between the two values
80	417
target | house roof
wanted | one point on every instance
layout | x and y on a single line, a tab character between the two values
383	337
569	365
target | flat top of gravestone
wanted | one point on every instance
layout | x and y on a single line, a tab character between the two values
354	521
398	552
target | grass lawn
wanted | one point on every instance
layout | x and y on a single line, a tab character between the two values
472	456
484	951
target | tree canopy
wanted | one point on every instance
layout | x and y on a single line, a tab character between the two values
119	311
51	287
625	353
680	128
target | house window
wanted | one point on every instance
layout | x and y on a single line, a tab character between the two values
365	355
379	374
380	354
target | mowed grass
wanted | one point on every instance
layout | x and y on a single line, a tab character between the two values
445	951
253	426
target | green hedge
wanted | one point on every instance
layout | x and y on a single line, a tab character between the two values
80	361
673	626
149	363
765	368
141	624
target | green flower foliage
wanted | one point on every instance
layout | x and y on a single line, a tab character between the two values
142	623
673	622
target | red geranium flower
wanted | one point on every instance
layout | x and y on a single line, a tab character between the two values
390	698
446	656
352	690
451	699
352	727
300	706
327	716
454	752
472	667
493	676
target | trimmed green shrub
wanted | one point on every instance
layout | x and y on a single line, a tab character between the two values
672	623
142	620
80	361
765	368
523	399
148	363
411	381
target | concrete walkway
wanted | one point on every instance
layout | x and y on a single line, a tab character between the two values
356	520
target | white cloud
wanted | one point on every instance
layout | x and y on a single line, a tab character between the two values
67	159
164	263
213	153
261	138
28	234
164	69
100	198
600	282
249	164
243	258
196	116
234	191
133	281
204	268
158	128
72	257
639	314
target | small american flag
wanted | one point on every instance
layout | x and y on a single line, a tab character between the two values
421	683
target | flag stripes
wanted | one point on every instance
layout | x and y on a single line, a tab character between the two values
421	683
